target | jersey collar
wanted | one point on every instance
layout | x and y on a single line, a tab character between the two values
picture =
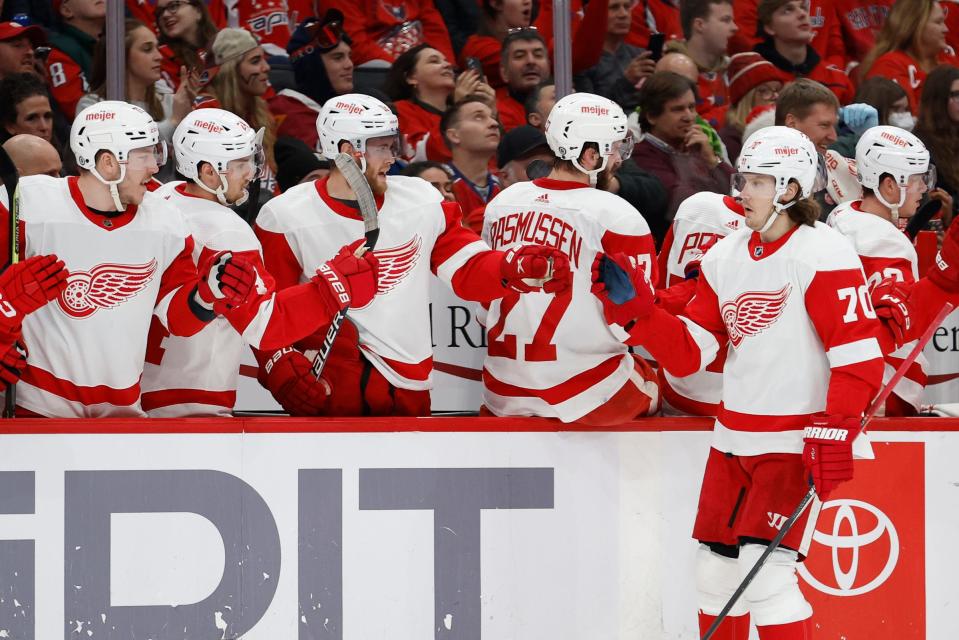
559	185
758	250
339	207
107	223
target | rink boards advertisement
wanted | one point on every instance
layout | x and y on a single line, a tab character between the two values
454	529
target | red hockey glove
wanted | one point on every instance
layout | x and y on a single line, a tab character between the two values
534	268
12	363
227	279
622	287
827	454
27	286
944	273
288	377
352	279
692	268
889	299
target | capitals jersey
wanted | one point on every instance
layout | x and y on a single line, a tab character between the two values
419	233
885	252
702	219
86	347
555	355
267	20
801	332
197	375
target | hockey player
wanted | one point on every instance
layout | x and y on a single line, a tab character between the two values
894	170
788	294
555	355
388	370
129	256
197	375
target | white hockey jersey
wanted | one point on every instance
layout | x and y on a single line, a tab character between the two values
419	233
802	333
86	347
701	220
885	252
555	355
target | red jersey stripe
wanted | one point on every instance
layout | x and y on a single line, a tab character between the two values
562	391
761	424
170	397
86	395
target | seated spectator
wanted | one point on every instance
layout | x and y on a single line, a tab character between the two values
539	102
320	54
753	82
680	63
523	65
143	82
25	107
16	48
707	26
382	31
70	63
33	156
910	45
267	20
674	148
297	163
436	174
422	85
186	31
517	150
826	37
621	66
890	101
812	108
788	31
938	127
472	134
239	86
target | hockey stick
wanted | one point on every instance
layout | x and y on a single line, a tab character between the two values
364	198
870	413
11	180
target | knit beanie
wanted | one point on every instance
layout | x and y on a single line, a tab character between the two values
747	71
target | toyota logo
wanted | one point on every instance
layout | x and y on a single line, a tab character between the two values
846	578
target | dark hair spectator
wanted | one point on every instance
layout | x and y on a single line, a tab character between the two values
436	173
72	42
496	19
938	126
185	31
708	26
539	103
892	103
517	150
25	107
524	63
810	107
297	163
753	82
827	39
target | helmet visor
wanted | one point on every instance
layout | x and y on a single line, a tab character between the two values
624	148
382	148
754	185
143	157
928	178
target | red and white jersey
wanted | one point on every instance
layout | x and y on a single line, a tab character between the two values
86	347
801	331
885	252
419	233
702	219
267	20
555	355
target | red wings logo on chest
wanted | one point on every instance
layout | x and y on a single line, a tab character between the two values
396	263
753	312
103	287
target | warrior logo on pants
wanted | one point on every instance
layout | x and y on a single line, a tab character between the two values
103	287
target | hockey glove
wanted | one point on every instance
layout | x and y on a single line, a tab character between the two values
827	454
227	279
534	268
859	117
622	287
287	375
26	286
12	363
889	300
352	276
945	272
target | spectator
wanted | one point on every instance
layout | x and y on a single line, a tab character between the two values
16	48
297	163
33	156
382	31
422	86
239	86
938	127
621	66
539	103
517	150
143	81
320	54
675	149
826	35
753	82
472	134
267	20
523	65
25	107
788	31
70	62
654	16
891	103
910	45
186	31
812	108
859	23
436	174
680	63
707	26
461	18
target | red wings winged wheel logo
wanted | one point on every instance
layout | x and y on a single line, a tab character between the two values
396	263
103	287
753	312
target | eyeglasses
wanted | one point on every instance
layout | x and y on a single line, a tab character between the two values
323	35
531	29
766	93
42	53
171	7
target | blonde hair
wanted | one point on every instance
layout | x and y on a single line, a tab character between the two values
253	109
901	30
98	77
737	113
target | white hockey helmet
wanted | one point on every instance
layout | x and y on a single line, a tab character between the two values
585	117
117	127
890	150
354	118
216	136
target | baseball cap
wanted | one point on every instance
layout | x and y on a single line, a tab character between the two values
11	30
519	142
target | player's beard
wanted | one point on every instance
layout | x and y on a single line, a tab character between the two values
377	184
603	178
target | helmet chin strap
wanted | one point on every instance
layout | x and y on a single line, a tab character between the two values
593	174
114	191
778	208
220	192
893	208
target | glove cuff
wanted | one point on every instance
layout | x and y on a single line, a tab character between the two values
329	279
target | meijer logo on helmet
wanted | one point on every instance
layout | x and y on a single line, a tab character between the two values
212	127
594	109
101	115
349	107
786	151
893	138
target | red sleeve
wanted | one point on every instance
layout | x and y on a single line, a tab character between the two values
67	82
828	42
358	27
663	258
839	308
434	30
898	268
587	45
639	27
180	279
744	13
893	66
675	298
278	258
641	248
475	267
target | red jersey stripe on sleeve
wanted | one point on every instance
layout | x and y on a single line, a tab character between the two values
171	397
643	248
180	279
278	258
88	396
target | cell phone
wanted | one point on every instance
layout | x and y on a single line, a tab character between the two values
477	66
656	42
